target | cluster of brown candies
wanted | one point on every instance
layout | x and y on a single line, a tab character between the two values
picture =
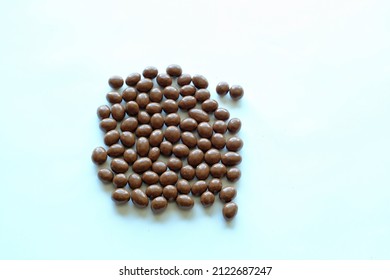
169	141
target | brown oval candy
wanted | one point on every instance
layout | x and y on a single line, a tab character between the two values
107	124
115	150
153	191
111	137
188	124
155	95
120	196
139	198
218	170
212	156
105	175
114	97
135	181
204	144
132	108
142	164
129	124
119	180
118	112
184	79
170	192
150	177
215	185
172	134
187	102
142	146
172	119
127	138
133	79
170	106
118	165
184	202
233	174
195	157
209	105
103	112
205	130
142	100
234	144
180	150
229	211
174	70
221	114
143	130
220	126
159	167
129	94
99	155
144	85
154	153
170	92
143	117
187	172
218	141
202	95
156	137
150	72
157	121
200	81
130	156
174	164
183	186
166	148
234	125
207	199
164	79
198	188
236	92
189	139
168	178
153	108
227	194
187	90
199	115
158	205
222	88
202	171
231	158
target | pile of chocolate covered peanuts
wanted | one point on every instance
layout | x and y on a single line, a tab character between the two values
169	141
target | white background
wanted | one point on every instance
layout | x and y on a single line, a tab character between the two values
315	115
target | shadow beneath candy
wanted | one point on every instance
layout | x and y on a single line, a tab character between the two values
129	209
123	209
107	187
227	102
230	224
210	211
186	214
171	211
165	215
161	217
